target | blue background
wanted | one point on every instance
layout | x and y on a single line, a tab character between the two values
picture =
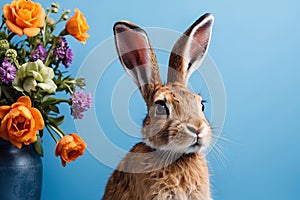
255	46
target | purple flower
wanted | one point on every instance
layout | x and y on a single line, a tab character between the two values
63	42
59	53
63	52
7	72
68	58
80	103
39	53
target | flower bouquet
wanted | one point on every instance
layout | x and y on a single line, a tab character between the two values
34	58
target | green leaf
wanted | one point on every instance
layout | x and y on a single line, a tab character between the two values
48	100
54	108
56	120
38	146
23	53
10	94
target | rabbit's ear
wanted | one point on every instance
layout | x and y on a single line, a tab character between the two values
137	57
190	50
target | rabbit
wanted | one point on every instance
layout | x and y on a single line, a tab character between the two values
170	161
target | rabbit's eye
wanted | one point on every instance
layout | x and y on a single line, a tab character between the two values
161	108
202	103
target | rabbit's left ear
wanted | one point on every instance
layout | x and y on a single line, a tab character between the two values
137	57
190	50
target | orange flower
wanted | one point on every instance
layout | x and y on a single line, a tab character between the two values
24	17
69	148
20	122
77	26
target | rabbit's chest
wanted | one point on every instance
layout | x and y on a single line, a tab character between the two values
182	181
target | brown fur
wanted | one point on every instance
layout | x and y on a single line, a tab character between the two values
169	164
185	107
186	178
150	173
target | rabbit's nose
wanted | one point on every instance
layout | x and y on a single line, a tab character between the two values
199	131
196	122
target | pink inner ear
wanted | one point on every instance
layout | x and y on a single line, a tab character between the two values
200	39
202	34
132	48
189	50
134	58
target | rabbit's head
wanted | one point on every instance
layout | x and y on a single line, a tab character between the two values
175	119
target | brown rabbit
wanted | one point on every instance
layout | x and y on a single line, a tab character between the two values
170	162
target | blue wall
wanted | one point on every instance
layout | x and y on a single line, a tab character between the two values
255	46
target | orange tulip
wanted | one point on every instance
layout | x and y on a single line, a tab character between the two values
20	122
24	17
69	148
77	26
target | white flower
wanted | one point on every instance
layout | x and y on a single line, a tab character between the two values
34	74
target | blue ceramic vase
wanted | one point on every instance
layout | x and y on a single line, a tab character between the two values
20	172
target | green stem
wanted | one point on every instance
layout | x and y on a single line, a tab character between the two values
10	36
57	131
57	65
2	24
62	33
54	138
44	29
16	62
69	88
50	51
58	21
